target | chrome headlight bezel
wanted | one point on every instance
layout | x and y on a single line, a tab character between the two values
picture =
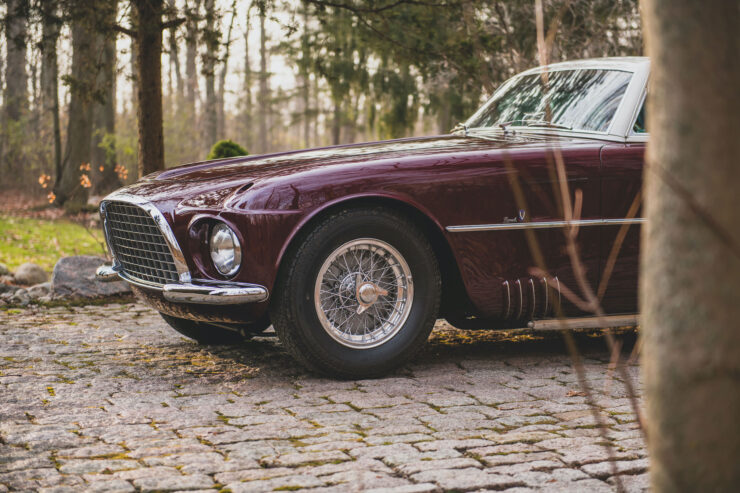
225	249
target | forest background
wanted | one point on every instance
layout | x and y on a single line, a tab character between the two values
270	75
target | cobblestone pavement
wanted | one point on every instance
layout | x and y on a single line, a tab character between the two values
109	398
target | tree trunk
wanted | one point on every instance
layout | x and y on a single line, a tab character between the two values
104	111
15	99
175	56
191	53
317	111
264	92
304	81
16	78
34	116
51	23
336	125
211	42
134	69
69	190
248	109
350	126
444	114
691	246
149	87
221	89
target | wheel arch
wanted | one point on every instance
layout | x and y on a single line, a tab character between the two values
452	285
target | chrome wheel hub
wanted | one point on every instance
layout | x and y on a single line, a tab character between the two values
363	293
367	293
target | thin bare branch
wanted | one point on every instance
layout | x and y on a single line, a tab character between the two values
173	23
124	30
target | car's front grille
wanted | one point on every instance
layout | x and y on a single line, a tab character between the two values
138	244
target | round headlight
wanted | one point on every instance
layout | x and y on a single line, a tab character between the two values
226	252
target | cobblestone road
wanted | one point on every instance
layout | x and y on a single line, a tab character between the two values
108	398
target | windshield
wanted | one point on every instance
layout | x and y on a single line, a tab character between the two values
584	99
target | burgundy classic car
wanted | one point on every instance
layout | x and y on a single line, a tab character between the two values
352	252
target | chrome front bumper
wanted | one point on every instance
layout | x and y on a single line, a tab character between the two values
204	293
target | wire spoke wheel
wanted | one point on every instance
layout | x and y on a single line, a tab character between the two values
346	305
363	293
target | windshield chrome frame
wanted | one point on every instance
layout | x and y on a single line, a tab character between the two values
632	136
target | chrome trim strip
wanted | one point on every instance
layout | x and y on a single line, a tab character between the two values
521	299
104	219
547	297
638	139
508	300
116	265
164	227
482	132
469	228
214	294
534	298
585	322
139	282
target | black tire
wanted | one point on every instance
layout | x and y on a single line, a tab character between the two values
294	314
205	333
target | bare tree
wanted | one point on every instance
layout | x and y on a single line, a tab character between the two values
134	71
50	25
16	77
210	57
69	189
103	156
175	53
16	80
147	35
304	80
149	87
690	278
221	88
264	88
192	14
248	105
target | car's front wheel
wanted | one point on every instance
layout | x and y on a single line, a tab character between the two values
359	295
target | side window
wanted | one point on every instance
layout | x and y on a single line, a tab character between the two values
639	127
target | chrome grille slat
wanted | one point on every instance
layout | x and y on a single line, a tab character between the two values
152	243
138	244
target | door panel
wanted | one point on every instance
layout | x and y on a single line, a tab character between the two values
497	265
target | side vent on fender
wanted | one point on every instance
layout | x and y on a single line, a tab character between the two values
530	298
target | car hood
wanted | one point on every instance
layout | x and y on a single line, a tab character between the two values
208	183
277	164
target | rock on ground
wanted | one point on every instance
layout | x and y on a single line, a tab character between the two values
19	297
7	288
38	290
74	277
29	274
4	271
